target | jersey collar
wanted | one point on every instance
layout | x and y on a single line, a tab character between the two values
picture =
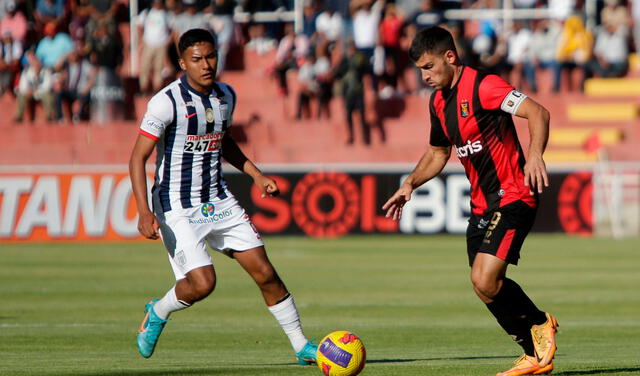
185	83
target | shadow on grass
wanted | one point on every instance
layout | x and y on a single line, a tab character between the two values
431	359
604	371
245	369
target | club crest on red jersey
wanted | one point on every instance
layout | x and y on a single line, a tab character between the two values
464	109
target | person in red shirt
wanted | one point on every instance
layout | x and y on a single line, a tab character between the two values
471	112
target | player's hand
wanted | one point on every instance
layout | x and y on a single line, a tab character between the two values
148	225
267	186
394	205
535	175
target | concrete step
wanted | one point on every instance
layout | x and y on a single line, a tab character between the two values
612	87
611	111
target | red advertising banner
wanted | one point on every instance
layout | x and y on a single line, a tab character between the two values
98	205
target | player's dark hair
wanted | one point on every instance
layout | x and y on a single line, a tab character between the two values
194	36
432	40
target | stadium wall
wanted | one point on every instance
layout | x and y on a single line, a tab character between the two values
95	203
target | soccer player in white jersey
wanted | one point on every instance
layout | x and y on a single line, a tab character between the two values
186	122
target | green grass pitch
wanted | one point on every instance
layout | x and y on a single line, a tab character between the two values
73	309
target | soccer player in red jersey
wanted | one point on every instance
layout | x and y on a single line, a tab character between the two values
471	111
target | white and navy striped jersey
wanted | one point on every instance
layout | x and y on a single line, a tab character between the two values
189	127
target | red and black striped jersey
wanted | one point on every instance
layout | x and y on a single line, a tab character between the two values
471	117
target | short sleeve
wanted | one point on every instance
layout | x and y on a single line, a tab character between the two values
492	91
158	116
437	136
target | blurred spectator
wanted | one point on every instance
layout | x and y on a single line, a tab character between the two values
426	16
36	85
106	53
610	53
14	22
390	33
258	40
76	81
105	48
307	87
544	43
323	75
53	49
574	47
49	11
615	13
156	36
80	15
351	71
518	55
292	48
330	25
366	20
188	19
11	55
309	15
224	26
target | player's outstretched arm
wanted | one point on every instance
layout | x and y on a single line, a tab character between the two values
535	171
430	165
234	155
147	222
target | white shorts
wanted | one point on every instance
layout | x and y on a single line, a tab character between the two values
223	224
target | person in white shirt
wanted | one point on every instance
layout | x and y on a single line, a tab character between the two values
330	24
156	35
36	85
610	53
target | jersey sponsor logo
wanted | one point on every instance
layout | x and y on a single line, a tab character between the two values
154	125
203	143
207	209
210	216
464	109
189	104
209	115
468	149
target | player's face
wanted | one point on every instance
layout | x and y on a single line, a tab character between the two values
437	69
200	62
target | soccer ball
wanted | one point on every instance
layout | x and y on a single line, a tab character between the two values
341	353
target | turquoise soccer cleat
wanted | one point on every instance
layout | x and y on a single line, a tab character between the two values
150	330
307	355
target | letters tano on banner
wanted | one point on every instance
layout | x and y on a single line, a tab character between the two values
99	206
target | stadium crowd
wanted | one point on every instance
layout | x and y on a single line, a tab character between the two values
67	55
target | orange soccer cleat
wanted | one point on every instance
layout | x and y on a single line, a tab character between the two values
544	340
527	365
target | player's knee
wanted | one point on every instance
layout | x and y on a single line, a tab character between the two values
202	284
202	288
265	276
487	287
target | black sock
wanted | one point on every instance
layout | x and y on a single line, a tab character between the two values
516	313
522	306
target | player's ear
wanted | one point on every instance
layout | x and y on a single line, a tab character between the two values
182	64
450	56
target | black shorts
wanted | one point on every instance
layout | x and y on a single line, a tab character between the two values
501	232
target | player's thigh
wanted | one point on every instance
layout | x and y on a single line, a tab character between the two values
234	232
506	230
184	242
